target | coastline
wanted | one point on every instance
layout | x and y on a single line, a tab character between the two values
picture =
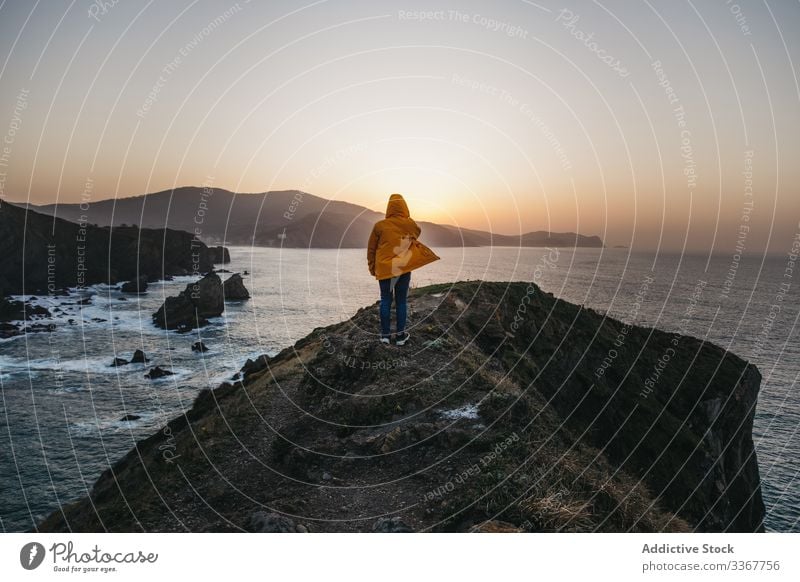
366	435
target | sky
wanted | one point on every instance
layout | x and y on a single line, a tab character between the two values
661	124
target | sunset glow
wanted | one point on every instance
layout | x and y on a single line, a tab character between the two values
633	122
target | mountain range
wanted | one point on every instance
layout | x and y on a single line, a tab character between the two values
288	218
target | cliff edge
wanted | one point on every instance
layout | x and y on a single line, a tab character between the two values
510	411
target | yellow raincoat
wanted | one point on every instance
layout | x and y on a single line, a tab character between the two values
393	247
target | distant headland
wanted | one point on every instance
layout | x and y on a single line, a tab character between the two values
285	218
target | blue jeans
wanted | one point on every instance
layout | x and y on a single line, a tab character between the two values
400	296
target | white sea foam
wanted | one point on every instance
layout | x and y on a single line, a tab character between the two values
96	365
97	426
72	389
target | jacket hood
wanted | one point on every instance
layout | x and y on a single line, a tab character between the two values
397	207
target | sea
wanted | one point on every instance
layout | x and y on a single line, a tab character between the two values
63	405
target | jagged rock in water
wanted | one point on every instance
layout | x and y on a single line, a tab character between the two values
507	412
130	418
234	288
8	330
15	310
199	347
119	362
192	307
138	285
158	372
139	357
49	327
219	254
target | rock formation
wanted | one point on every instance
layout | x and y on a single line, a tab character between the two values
193	306
219	255
234	288
253	366
158	372
12	310
506	416
138	285
57	253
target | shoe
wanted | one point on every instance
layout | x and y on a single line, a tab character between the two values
385	340
401	338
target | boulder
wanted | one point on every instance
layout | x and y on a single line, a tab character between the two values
192	307
130	417
139	357
119	362
199	347
138	285
158	372
234	288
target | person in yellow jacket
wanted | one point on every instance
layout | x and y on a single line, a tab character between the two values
393	252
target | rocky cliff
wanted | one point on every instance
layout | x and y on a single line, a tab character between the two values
41	254
510	411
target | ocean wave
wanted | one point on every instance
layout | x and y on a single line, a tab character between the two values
96	365
98	426
71	389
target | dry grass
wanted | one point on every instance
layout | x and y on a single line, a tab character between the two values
576	492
